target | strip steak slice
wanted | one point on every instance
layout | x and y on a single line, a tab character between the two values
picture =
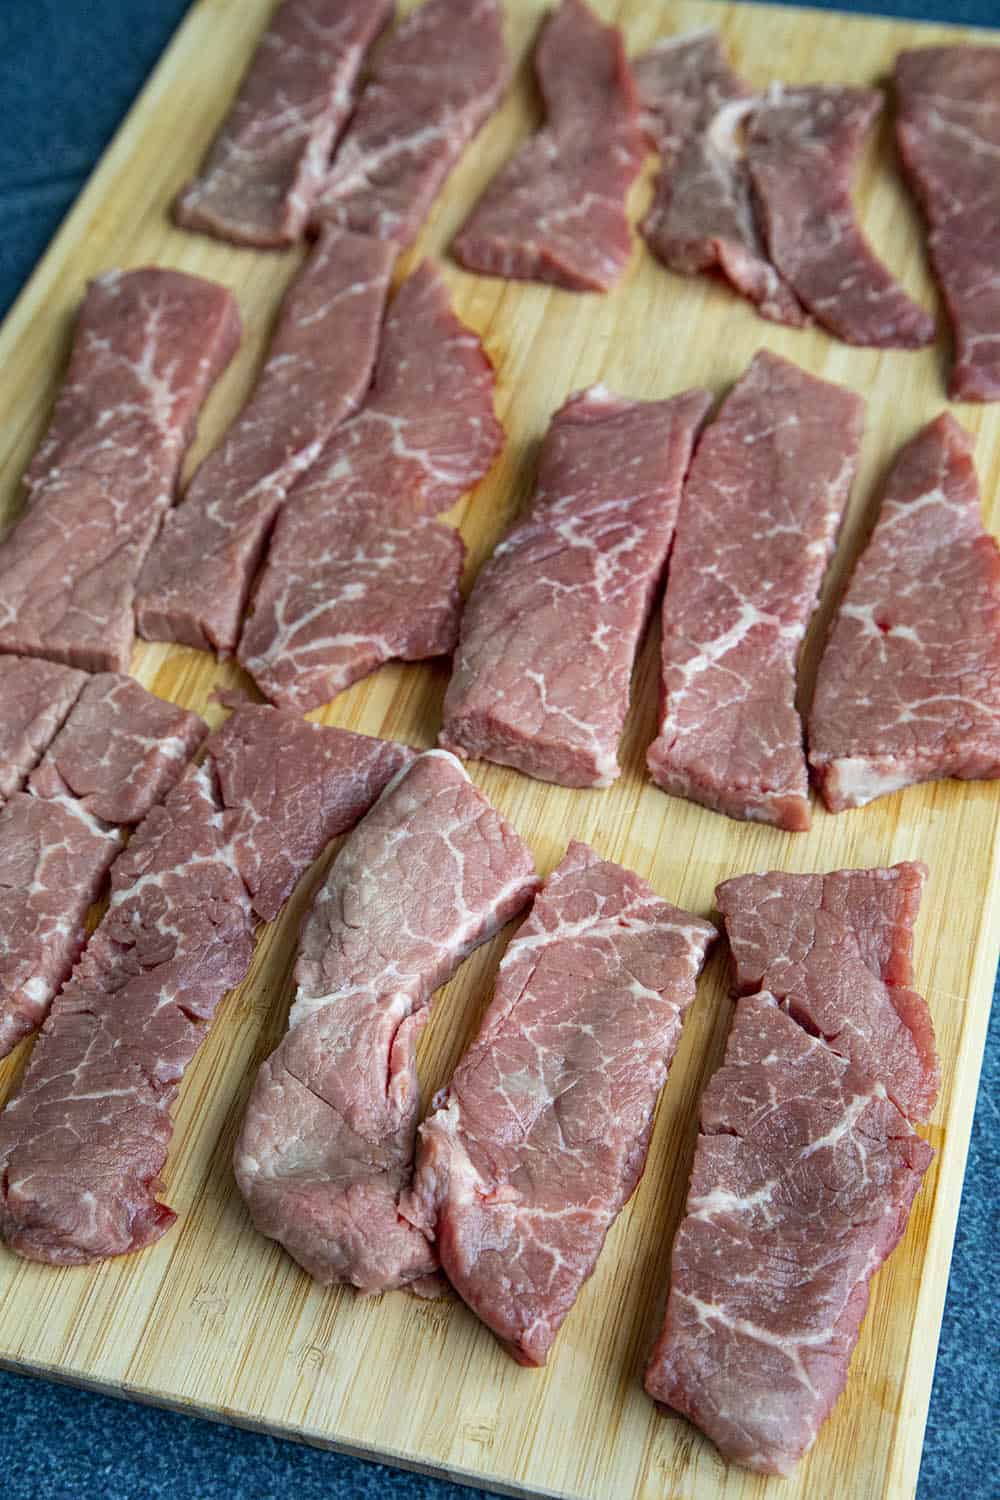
261	176
836	952
703	216
148	347
948	129
327	1142
540	1139
433	84
119	751
357	573
551	630
84	1140
556	211
196	579
802	1184
909	685
36	697
756	527
802	145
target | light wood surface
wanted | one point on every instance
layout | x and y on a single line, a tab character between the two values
218	1321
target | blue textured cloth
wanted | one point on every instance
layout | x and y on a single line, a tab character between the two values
68	71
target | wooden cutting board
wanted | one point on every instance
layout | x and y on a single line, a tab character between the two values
218	1321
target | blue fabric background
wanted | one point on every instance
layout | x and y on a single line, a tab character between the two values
68	71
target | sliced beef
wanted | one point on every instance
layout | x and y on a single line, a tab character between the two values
703	216
909	685
757	524
356	573
148	346
948	127
802	146
326	1147
550	633
84	1140
289	787
556	211
35	697
802	1185
836	952
434	83
540	1138
194	585
119	751
261	176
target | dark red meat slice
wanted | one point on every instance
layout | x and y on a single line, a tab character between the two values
148	346
836	952
120	750
549	635
540	1138
194	585
556	211
35	697
327	1141
83	1141
801	150
802	1185
261	176
433	85
757	524
356	573
703	216
909	685
948	127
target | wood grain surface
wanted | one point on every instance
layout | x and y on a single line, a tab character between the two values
216	1320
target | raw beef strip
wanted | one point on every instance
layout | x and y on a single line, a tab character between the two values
84	1140
119	751
836	952
549	636
909	685
702	217
53	861
801	149
356	573
149	344
195	582
260	178
556	211
289	787
948	127
540	1138
433	84
756	527
327	1142
35	697
802	1184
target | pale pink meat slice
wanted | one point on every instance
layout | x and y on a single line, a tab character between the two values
35	696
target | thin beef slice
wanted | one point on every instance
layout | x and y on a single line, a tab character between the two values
540	1139
35	697
757	524
948	129
261	176
802	1184
326	1147
195	582
909	685
433	84
358	572
148	346
556	211
550	633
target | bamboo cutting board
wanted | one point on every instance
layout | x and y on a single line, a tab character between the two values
214	1319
